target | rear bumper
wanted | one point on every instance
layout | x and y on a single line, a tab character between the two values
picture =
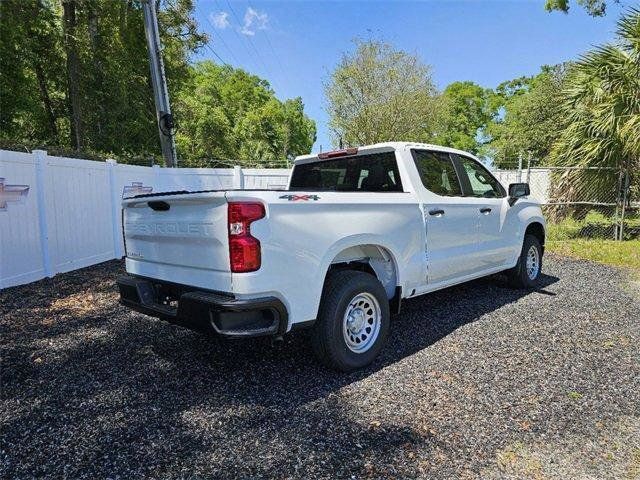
202	311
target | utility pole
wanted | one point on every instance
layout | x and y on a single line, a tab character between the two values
159	82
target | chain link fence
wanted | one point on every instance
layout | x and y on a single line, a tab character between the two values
583	202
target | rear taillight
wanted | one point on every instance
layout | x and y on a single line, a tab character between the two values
244	250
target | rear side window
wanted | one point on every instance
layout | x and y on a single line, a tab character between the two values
377	172
437	172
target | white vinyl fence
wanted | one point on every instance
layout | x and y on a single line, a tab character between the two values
58	214
538	179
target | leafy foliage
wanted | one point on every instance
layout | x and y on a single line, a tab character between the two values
32	99
602	103
378	93
602	109
527	118
595	8
74	74
229	114
466	111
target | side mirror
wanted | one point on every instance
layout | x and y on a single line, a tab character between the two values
518	190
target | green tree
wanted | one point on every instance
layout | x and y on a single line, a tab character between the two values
75	73
595	8
601	102
229	115
32	98
466	112
527	118
379	93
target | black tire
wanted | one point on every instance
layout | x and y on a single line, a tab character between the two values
327	338
518	276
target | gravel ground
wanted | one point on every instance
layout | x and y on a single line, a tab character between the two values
478	381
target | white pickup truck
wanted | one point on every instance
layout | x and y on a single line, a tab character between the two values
356	231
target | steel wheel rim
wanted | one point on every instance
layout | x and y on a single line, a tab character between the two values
533	262
361	322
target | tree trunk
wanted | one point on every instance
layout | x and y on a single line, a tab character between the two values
37	45
73	73
98	94
46	99
124	19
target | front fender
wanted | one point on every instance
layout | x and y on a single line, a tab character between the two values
531	213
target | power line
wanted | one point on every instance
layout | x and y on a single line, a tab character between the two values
187	21
273	52
216	55
248	38
237	35
221	38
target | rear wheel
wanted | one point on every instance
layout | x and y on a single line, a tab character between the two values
353	321
526	273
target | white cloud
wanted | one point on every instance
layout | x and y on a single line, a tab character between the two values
220	20
254	20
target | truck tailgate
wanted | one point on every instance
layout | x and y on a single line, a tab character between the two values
180	238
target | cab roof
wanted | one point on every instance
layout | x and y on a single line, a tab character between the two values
386	146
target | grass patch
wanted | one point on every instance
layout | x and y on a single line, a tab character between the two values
574	395
620	254
594	225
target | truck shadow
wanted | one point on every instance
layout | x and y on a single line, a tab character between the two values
289	368
435	315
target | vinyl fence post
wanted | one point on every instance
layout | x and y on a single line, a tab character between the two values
520	168
40	157
238	178
156	177
115	201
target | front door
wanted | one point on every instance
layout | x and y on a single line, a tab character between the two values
497	233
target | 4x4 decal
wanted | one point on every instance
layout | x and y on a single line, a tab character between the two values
304	198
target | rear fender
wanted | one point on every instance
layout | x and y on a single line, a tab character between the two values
378	253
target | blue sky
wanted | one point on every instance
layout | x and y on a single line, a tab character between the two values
296	44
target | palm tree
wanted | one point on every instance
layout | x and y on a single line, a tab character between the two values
602	105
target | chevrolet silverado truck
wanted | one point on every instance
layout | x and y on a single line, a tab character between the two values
357	231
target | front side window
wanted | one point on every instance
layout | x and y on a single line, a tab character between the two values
437	172
481	182
376	172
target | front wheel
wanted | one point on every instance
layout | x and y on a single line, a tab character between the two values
353	321
526	273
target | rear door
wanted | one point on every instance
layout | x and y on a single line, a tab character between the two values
179	238
451	220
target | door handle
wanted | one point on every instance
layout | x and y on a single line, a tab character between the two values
436	212
485	210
